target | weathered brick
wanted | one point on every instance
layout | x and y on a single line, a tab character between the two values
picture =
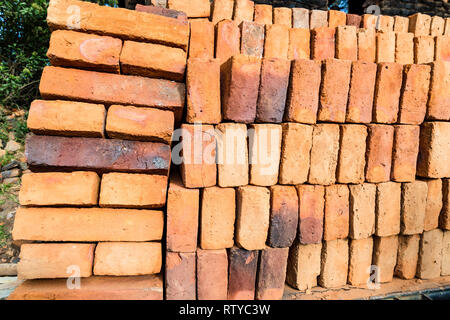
442	48
362	210
242	269
180	276
311	213
228	38
439	96
160	8
336	222
276	44
346	43
401	24
385	47
370	21
352	154
387	209
447	26
434	151
299	44
201	43
336	18
385	257
222	10
386	23
252	38
212	274
387	92
300	18
434	204
366	45
263	14
404	48
404	155
423	49
437	26
334	263
303	266
430	254
243	10
419	24
318	18
360	260
445	269
271	273
379	153
193	8
414	200
322	43
354	20
408	254
282	16
444	219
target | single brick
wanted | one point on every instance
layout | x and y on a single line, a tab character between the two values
228	38
243	10
271	273
253	213
434	204
366	45
352	154
404	48
160	8
282	16
67	118
311	213
201	43
300	18
414	200
346	43
439	96
318	18
430	254
87	224
336	222
386	23
242	269
127	258
276	44
387	92
299	44
263	14
437	26
193	8
385	47
434	151
447	26
222	10
379	152
362	210
445	269
444	219
354	20
404	155
442	48
401	24
303	266
336	18
303	92
324	154
385	257
360	260
54	260
272	90
212	274
322	43
180	275
408	254
387	209
419	24
423	49
370	21
252	39
334	263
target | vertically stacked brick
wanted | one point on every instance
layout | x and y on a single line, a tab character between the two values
444	219
414	199
385	257
423	49
228	39
360	260
282	16
180	275
401	24
408	254
322	43
387	209
334	263
242	269
318	18
299	44
387	92
336	18
439	96
379	152
222	10
201	44
370	21
243	10
276	43
366	45
271	273
346	43
434	204
336	222
386	23
252	39
212	274
283	216
445	269
300	18
362	210
442	48
311	213
303	266
404	47
263	14
430	254
419	24
437	26
352	151
385	46
432	160
405	150
353	20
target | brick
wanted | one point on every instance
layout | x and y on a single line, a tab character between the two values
437	26
352	152
408	254
311	213
203	91
444	219
158	3
272	90
419	24
242	274
263	14
118	22
300	18
445	269
198	167
252	39
87	224
240	78
346	43
127	258
144	124
283	216
354	20
212	274
434	152
404	48
243	10
78	188
366	45
334	263
228	38
370	21
387	92
66	118
303	266
222	10
385	51
442	48
414	200
299	44
193	8
423	49
430	254
322	43
385	257
361	92
53	260
182	217
201	44
386	23
253	214
161	9
447	26
276	44
303	92
439	96
387	209
264	153
125	190
282	16
404	155
271	273
401	24
217	218
379	152
296	147
324	154
85	51
180	275
361	210
360	260
434	204
336	222
318	18
97	154
232	151
336	18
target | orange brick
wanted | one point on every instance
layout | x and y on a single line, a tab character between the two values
370	21
437	26
336	222
385	47
263	14
271	273
387	214
379	153
352	154
408	254
362	210
385	257
386	23
252	39
346	43
433	159
334	268
193	8
243	10
442	48
404	155
282	16
242	268
366	45
300	18
414	200
360	260
228	38
423	49
444	219
299	42
430	254
180	276
276	44
222	10
318	18
420	24
401	24
303	265
336	18
322	43
404	48
434	204
212	274
387	92
439	96
201	44
447	27
311	213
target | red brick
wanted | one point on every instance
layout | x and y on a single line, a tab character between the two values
385	257
387	92
243	10
222	10
434	204
388	204
352	152
408	254
414	200
366	45
401	24
212	274
311	213
362	210
322	43
242	274
439	96
360	260
419	24
334	262
442	48
303	265
354	20
404	48
430	255
385	51
300	18
444	219
379	152
180	275
336	222
271	273
423	49
434	157
346	43
299	44
318	18
404	155
437	26
252	39
201	44
276	44
193	8
282	16
161	10
228	39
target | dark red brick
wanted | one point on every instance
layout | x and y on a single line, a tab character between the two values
272	273
242	268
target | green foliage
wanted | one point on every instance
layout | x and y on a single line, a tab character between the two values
17	125
3	235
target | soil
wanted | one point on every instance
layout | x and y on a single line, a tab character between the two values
9	253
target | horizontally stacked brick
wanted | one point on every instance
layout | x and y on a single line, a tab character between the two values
104	131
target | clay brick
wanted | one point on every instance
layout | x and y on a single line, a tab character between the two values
193	8
212	274
303	266
354	20
404	48
252	39
198	167
434	204
78	188
182	217
366	45
276	44
370	21
423	49
439	96
85	51
404	155
352	154
385	257
442	48
408	254
336	18
222	10
385	51
346	43
311	213
362	210
271	273
401	24
437	26
361	92
180	275
242	274
322	43
444	219
387	209
296	147
414	200
419	24
127	258
132	190
263	14
217	218
445	269
324	154
203	91
386	23
243	10
360	260
434	153
253	213
264	153
272	90
282	16
232	151
160	8
303	92
387	92
240	78
379	152
334	264
300	18
336	222
144	124
87	224
53	260
283	216
318	18
447	26
201	44
430	254
66	118
97	154
299	44
228	38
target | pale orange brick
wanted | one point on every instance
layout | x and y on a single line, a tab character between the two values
366	45
263	14
386	23
322	43
243	10
222	10
434	204
387	92
385	257
439	96
423	49
404	155
277	41
346	43
437	26
336	222
303	266
430	254
193	8
414	201
282	16
228	38
370	21
379	152
299	42
385	47
434	153
408	254
300	18
388	204
334	263
252	38
311	213
352	153
201	43
447	27
360	260
318	18
336	18
419	24
404	48
401	24
445	269
212	274
362	210
442	48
